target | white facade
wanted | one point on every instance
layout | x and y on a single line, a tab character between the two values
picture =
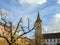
52	41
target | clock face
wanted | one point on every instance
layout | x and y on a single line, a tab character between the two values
38	26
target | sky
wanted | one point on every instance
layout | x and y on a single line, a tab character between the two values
49	12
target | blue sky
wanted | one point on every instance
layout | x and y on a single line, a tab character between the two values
49	12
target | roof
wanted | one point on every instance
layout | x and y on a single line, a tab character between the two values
38	18
51	35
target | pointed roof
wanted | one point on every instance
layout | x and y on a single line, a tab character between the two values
38	18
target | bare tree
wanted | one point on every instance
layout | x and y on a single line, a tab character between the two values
12	31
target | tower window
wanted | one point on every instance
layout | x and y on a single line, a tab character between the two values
38	26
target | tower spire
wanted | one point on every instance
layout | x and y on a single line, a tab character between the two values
39	38
38	18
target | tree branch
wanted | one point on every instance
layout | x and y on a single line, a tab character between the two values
17	26
5	25
25	33
22	29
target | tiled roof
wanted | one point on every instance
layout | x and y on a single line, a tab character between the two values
51	35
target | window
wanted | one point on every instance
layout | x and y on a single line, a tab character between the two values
50	40
47	40
58	40
54	44
54	40
50	44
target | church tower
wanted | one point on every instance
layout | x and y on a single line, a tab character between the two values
39	39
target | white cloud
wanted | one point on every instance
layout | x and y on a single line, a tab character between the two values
58	1
32	1
57	16
54	25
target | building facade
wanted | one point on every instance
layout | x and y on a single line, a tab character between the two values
52	39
